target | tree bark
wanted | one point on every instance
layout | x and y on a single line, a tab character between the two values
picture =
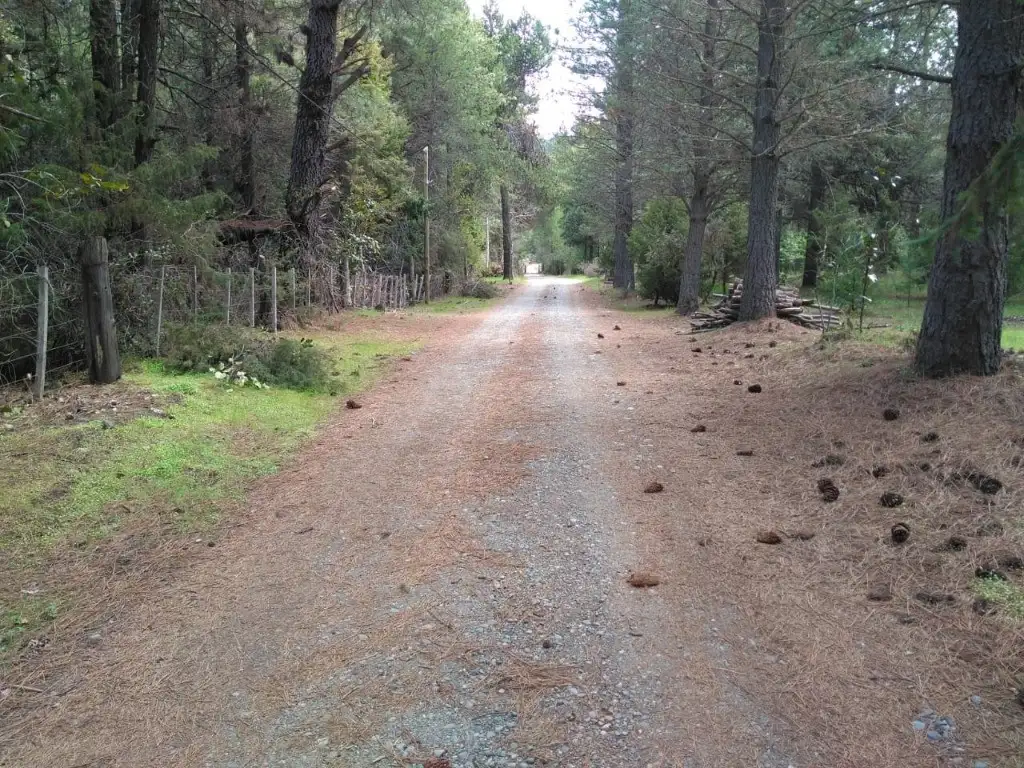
760	277
312	124
963	316
815	231
129	45
700	197
245	183
622	109
506	234
106	65
101	349
149	49
689	283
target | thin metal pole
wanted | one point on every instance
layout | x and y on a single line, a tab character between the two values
229	298
252	297
42	328
160	309
292	275
195	282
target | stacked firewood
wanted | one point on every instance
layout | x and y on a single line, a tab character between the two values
788	304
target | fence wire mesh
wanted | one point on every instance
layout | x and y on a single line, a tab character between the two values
149	299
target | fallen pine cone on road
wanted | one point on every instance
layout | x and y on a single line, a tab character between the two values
828	489
642	580
768	537
891	500
654	487
900	533
352	405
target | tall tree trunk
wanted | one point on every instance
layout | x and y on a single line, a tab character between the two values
246	180
149	49
815	230
689	283
106	66
700	197
760	278
622	107
129	45
963	316
312	124
506	234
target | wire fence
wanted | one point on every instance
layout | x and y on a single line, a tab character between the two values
42	334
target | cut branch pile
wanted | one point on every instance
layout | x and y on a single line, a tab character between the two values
788	305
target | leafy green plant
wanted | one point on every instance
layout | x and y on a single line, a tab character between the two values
243	356
657	243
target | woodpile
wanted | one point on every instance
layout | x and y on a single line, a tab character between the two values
789	305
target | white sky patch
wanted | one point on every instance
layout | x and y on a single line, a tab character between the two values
556	108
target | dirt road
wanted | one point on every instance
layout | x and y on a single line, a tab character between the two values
442	580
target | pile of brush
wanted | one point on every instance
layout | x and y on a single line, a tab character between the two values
789	305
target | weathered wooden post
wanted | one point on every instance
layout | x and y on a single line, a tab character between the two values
101	332
273	297
291	273
252	297
228	319
160	309
42	328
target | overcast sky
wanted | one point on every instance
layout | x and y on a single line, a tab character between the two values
556	108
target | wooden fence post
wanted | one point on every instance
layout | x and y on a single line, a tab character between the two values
101	332
291	273
42	328
273	297
160	309
229	298
252	297
195	283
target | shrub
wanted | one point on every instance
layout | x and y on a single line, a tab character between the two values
282	362
478	289
292	364
657	245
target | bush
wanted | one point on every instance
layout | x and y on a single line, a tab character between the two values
657	245
478	289
283	363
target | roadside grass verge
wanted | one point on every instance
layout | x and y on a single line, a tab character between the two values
178	452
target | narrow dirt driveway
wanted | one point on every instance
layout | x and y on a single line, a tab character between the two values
441	580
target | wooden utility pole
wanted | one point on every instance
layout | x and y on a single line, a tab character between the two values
98	301
426	239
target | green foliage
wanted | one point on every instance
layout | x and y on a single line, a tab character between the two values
479	289
283	362
657	244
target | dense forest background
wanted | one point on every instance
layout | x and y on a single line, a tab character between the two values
834	144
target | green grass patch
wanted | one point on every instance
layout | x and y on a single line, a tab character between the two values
901	318
453	305
1009	597
77	484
